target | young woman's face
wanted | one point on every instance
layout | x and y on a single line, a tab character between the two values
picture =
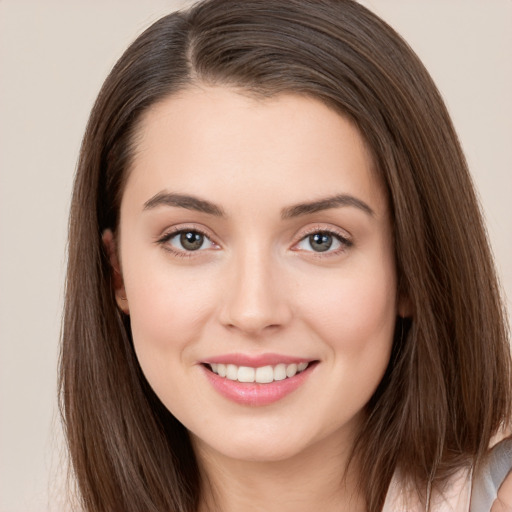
255	240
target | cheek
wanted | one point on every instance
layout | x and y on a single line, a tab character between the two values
355	319
355	313
169	310
168	306
354	300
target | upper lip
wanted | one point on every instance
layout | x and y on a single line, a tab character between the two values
256	360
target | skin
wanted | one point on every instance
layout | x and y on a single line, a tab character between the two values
257	285
503	502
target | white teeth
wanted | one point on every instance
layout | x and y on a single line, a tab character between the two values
280	372
261	375
291	370
246	374
264	375
231	372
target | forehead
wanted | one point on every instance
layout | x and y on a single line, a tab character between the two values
219	141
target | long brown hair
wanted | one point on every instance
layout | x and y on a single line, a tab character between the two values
447	389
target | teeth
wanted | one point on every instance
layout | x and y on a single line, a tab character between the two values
264	374
246	374
231	372
261	375
291	370
280	372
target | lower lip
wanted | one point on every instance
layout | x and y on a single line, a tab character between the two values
255	394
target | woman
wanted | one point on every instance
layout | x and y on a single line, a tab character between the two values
280	294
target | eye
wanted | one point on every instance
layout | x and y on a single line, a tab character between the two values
323	241
187	240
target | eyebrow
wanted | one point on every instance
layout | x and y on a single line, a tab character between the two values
184	201
327	203
202	205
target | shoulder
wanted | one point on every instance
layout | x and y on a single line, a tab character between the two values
491	475
455	497
465	491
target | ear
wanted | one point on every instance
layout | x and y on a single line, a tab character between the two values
110	245
404	309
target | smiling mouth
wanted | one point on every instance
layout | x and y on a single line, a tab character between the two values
260	375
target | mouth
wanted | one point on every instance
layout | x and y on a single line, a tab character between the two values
258	385
261	375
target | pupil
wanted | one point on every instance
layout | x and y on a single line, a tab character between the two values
320	242
191	240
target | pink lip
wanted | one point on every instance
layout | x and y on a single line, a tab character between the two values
255	361
253	393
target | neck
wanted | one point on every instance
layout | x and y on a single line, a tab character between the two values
319	478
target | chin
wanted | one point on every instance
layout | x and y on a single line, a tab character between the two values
261	453
263	446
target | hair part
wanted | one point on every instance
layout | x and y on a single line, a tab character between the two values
446	391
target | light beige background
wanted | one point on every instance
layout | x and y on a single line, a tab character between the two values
53	59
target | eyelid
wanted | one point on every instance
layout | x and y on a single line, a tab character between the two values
341	235
171	232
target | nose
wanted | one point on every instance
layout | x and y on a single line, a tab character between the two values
255	300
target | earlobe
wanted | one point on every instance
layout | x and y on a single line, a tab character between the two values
109	243
405	309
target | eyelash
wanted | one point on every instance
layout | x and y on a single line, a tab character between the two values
168	236
345	242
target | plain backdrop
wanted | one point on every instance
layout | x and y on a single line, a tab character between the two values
53	58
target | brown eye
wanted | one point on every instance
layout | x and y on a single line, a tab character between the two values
324	241
186	241
191	240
